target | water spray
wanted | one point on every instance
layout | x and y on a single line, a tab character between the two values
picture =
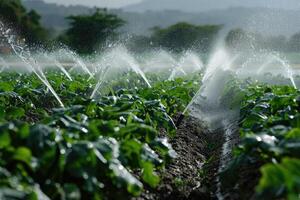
22	51
4	65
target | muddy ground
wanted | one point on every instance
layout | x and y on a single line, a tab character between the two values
193	174
185	177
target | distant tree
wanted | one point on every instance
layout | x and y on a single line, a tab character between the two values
234	37
88	32
182	36
139	43
27	24
239	39
276	43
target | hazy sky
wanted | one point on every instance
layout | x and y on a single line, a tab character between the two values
185	5
99	3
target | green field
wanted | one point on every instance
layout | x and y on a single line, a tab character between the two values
111	147
91	148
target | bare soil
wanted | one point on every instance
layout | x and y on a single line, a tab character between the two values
193	174
185	177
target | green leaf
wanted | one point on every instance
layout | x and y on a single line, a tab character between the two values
6	87
280	180
15	113
72	192
149	175
24	131
293	134
131	153
4	139
11	194
122	176
23	154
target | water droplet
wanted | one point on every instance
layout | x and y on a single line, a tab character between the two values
62	151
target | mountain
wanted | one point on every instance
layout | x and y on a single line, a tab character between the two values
263	20
54	15
93	3
206	5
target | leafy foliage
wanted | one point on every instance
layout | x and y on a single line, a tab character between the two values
27	23
270	138
104	148
183	36
280	179
88	32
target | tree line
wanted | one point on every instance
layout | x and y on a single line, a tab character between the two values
88	33
27	23
239	39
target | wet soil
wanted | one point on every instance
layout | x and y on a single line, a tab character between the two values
194	173
244	188
186	176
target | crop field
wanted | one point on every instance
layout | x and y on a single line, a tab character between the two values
159	126
91	149
116	144
269	147
149	100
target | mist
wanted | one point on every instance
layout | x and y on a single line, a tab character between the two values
98	3
206	5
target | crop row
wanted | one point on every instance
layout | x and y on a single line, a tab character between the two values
103	148
270	141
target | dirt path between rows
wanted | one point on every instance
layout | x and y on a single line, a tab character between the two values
186	177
